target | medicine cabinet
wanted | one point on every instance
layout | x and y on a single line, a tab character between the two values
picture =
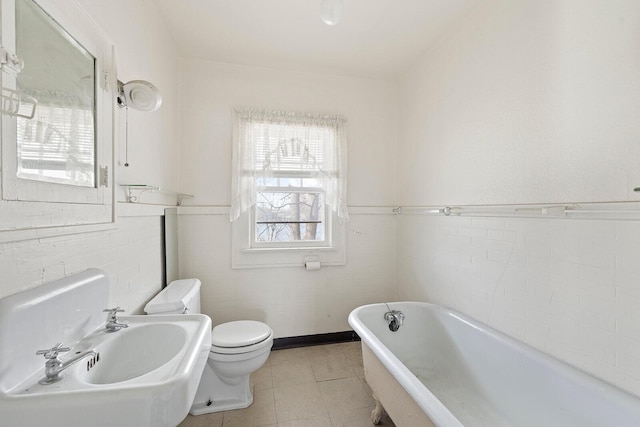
58	88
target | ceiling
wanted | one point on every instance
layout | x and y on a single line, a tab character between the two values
376	38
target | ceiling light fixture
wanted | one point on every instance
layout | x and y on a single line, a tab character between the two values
331	11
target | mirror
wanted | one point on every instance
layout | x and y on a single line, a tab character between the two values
59	144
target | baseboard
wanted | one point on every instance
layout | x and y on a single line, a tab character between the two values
317	339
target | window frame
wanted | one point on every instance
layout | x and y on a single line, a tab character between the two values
247	253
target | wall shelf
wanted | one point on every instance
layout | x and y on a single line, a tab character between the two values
135	191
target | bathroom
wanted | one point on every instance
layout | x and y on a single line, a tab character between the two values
504	103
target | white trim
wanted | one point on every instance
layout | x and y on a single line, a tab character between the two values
126	209
371	210
204	210
225	209
10	236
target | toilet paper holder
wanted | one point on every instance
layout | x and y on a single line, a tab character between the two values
312	265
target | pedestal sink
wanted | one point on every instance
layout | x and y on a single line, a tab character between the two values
143	375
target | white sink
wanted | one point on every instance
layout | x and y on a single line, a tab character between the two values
136	351
143	375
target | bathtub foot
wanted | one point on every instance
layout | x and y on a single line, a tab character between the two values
376	414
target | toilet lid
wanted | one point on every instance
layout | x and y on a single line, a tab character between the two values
239	333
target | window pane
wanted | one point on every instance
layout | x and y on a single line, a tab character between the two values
286	217
311	182
267	181
58	144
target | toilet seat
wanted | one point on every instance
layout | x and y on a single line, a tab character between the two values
240	336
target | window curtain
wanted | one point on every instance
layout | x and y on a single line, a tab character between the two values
269	142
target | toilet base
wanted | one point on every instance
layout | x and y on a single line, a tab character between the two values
213	395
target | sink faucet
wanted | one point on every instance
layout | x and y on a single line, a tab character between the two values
112	320
54	366
395	319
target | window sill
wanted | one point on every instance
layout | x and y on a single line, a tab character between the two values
243	256
286	257
292	250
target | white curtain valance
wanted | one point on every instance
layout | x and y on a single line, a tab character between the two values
269	142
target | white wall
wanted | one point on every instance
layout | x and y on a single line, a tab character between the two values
211	90
144	51
525	102
132	253
292	301
529	101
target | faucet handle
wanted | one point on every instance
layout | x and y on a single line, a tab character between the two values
52	353
112	323
112	311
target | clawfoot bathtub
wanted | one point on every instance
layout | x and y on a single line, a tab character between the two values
441	368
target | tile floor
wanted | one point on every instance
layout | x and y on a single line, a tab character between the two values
319	386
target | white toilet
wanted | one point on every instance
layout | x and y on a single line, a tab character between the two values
237	349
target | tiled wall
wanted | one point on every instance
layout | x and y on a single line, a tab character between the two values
570	288
131	255
292	301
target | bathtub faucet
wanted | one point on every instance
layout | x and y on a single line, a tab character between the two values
395	319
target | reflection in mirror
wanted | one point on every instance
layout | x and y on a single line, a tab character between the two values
58	144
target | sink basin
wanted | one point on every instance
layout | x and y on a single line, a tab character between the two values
136	351
141	377
144	375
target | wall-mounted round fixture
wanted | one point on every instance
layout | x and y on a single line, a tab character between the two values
139	95
331	11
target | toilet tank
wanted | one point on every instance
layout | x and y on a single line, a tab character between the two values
179	297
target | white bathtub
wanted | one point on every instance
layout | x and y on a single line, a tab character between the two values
462	373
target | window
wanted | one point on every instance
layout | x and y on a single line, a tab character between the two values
289	210
57	145
289	188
